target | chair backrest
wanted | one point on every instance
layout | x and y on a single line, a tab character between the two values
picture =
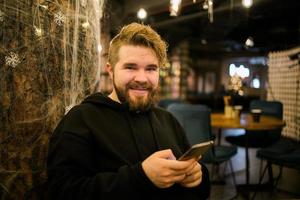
195	120
271	108
164	103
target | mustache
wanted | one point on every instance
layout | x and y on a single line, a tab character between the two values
139	85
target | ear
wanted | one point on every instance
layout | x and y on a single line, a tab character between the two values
110	70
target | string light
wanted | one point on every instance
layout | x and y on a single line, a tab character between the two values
99	48
247	3
249	42
85	25
174	7
209	6
12	60
210	10
205	5
142	13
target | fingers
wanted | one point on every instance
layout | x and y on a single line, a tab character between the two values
164	170
166	154
182	165
192	180
193	177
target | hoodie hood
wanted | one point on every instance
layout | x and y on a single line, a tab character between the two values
101	99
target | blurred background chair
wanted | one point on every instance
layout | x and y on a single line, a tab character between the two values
195	120
284	153
164	103
259	139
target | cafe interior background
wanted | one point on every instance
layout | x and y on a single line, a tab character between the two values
52	54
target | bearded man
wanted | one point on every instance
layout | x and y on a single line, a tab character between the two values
122	145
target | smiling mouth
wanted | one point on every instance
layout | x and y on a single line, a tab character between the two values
139	92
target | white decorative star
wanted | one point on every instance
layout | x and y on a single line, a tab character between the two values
12	60
1	16
59	18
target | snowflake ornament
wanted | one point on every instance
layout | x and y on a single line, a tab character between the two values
12	60
1	16
59	18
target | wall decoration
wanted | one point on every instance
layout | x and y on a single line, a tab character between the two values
12	59
48	64
284	86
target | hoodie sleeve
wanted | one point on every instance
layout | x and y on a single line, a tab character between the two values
73	173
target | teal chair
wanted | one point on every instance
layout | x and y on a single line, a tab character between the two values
195	120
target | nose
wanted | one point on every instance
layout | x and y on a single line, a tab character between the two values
140	76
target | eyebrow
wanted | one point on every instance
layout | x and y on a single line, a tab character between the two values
129	64
134	64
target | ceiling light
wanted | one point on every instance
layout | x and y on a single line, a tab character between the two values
247	3
249	42
142	13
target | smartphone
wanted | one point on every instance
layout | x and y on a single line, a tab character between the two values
196	150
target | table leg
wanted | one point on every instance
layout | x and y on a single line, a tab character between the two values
219	136
247	165
247	159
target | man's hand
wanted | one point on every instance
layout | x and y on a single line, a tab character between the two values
164	170
193	176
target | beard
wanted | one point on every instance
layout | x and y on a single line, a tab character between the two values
137	103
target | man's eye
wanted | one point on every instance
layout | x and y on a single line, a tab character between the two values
152	69
129	67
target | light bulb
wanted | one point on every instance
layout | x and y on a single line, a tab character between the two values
142	13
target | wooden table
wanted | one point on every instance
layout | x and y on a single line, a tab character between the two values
218	120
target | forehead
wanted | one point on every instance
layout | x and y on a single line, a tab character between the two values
131	53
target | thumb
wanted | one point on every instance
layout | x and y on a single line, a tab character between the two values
167	154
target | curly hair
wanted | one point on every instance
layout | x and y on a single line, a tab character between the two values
139	35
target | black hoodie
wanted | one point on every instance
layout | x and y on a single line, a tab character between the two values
97	149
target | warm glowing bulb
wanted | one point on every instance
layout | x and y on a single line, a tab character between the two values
174	7
249	42
247	3
142	13
99	47
85	24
